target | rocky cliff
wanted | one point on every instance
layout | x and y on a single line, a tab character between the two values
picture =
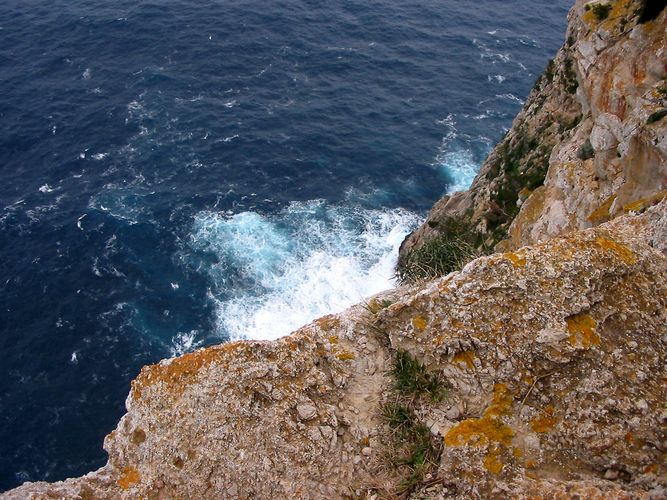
538	372
589	145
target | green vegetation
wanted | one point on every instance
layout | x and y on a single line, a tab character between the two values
453	248
600	10
436	257
570	76
524	163
374	306
412	450
412	378
656	116
549	71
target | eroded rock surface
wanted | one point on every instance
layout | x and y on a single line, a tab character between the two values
589	145
554	357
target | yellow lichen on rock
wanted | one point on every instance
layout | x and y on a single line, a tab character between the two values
129	477
601	213
621	251
419	322
643	203
489	428
492	461
328	322
465	357
582	331
544	422
517	259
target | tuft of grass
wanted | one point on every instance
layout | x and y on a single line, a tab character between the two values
412	378
600	10
397	416
437	257
415	450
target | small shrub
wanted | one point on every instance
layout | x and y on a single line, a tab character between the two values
656	116
586	151
411	377
453	248
600	10
436	257
549	71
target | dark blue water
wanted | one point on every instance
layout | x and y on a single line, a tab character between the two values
178	173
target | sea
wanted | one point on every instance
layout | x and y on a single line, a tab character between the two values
181	173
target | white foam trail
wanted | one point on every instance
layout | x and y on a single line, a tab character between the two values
276	274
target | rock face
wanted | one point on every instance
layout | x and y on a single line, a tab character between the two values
554	359
590	143
539	372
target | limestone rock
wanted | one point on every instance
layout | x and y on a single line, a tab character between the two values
588	145
560	390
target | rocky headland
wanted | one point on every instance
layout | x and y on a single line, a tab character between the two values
538	370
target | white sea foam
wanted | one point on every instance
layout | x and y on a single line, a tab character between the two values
184	342
274	274
460	167
510	97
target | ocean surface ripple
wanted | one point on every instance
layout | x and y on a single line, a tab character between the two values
180	173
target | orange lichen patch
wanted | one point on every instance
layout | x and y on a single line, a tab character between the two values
517	452
651	469
620	251
465	357
589	18
438	340
345	355
333	339
129	477
501	404
643	203
582	331
530	464
419	322
487	429
525	193
516	259
492	461
629	438
601	213
328	322
181	371
545	421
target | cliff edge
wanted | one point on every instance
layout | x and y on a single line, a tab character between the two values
589	145
536	372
